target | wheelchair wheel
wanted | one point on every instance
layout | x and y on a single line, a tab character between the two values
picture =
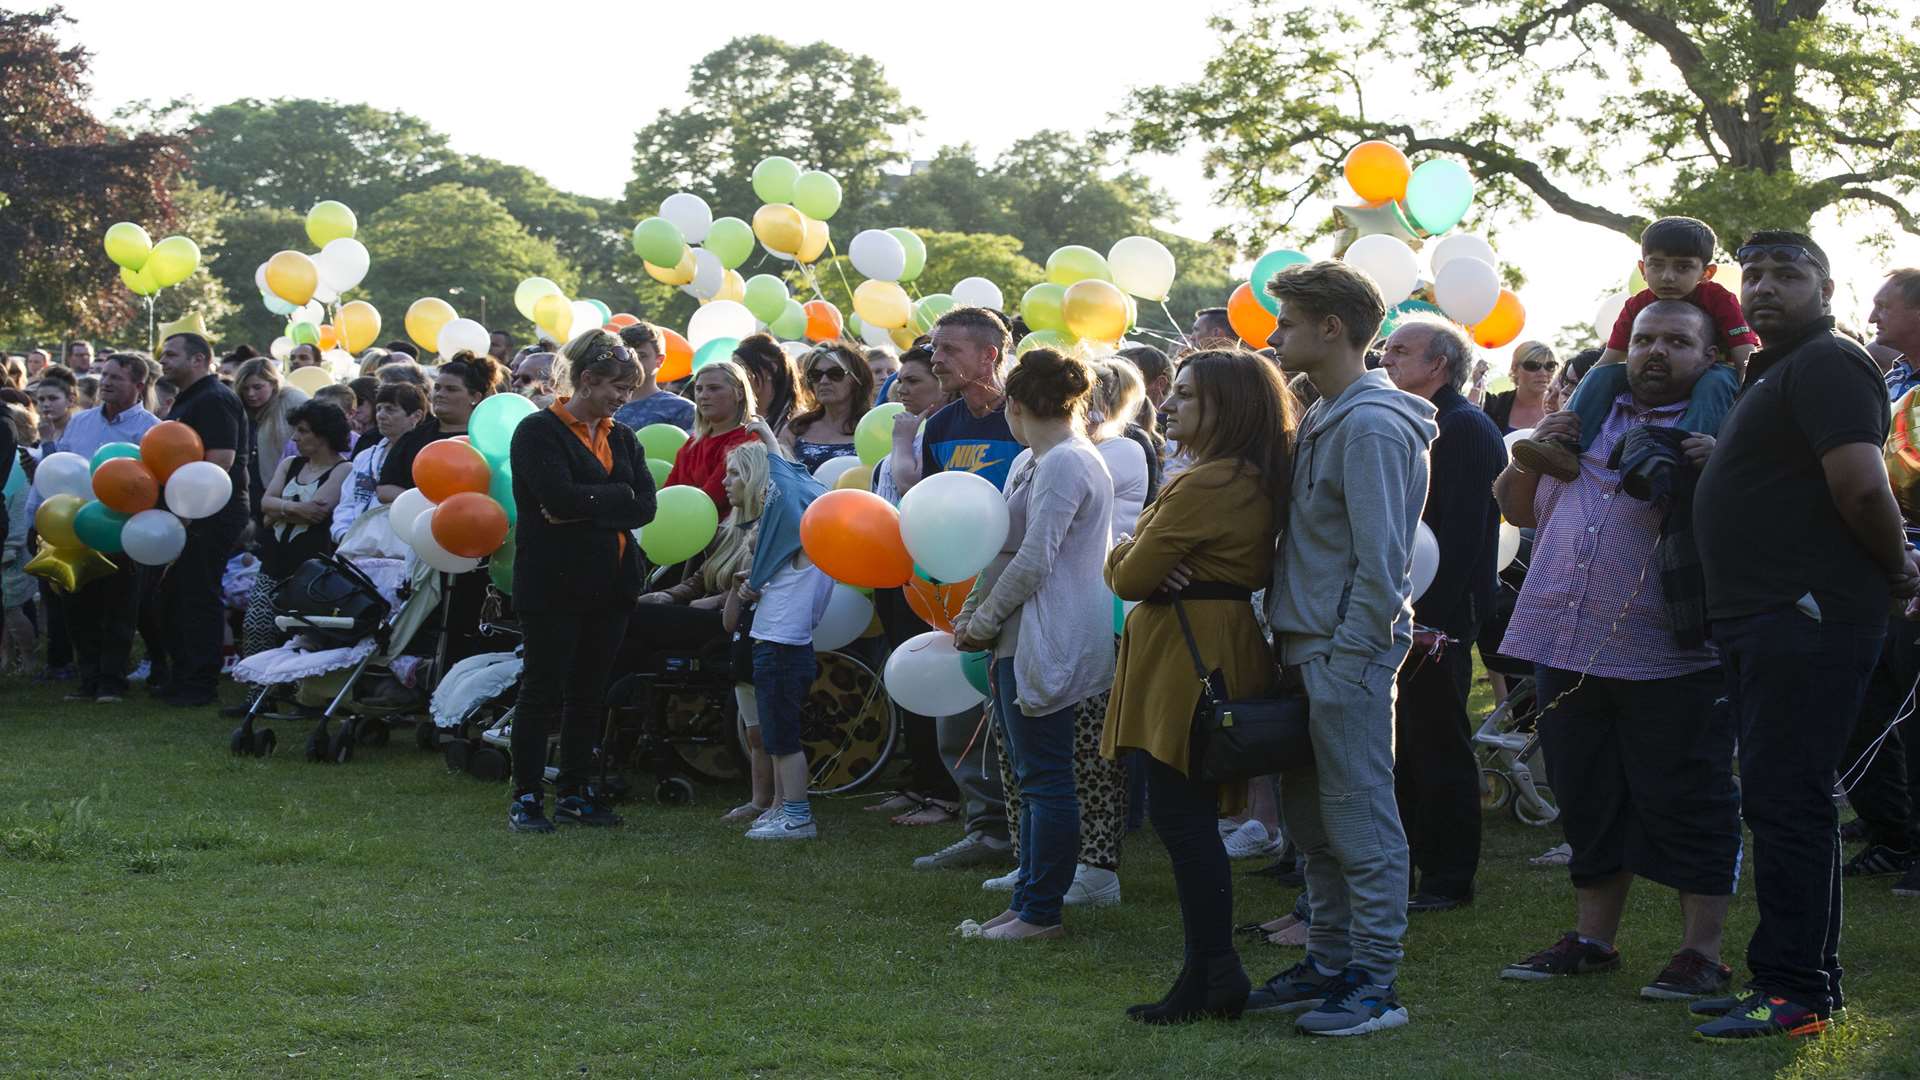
674	791
696	725
1496	791
490	764
425	735
847	727
1543	811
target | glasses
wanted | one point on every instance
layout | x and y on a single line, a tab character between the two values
1778	253
825	374
1539	365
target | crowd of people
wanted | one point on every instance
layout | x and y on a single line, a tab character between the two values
1718	583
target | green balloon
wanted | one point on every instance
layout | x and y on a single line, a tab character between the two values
500	564
816	195
1042	307
1048	339
1270	264
128	245
113	450
605	311
99	528
873	436
975	665
717	349
490	428
304	333
662	441
916	253
730	240
792	323
660	470
658	241
500	486
1075	263
774	179
684	521
172	261
1439	194
766	297
930	308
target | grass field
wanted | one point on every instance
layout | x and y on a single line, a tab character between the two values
167	910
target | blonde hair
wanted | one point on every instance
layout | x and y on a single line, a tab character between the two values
592	352
1118	391
752	460
1532	350
741	386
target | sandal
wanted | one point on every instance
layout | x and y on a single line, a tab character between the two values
896	802
931	812
743	812
1294	934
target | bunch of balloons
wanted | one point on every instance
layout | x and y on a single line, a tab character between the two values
1093	298
461	507
147	267
546	305
890	259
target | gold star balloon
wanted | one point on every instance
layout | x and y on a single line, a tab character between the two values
1386	219
69	568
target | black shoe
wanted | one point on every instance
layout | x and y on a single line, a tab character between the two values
1428	903
1878	860
1180	988
579	810
1689	976
1721	1006
1909	883
1568	956
1766	1017
525	814
1297	989
1218	988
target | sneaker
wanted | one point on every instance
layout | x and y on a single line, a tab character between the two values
1004	883
1092	887
108	699
578	810
781	828
1558	855
970	850
525	814
1249	840
1547	457
1428	903
1689	976
1765	1017
1878	860
1909	884
140	673
1721	1006
1568	956
1226	825
1354	1007
1296	989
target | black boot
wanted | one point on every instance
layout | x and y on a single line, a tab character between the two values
1188	972
1217	987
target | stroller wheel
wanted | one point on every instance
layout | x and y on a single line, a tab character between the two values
489	763
457	754
264	741
1539	810
317	746
673	791
240	742
341	748
425	735
1496	791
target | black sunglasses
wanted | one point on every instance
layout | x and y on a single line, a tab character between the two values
1778	253
832	374
1539	365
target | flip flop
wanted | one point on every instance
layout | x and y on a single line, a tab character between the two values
896	802
1294	936
932	812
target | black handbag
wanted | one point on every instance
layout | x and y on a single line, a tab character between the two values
1239	740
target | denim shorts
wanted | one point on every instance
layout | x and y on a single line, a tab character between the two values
782	675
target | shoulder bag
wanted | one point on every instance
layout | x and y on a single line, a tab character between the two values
1238	740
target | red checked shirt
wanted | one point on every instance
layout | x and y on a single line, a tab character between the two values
1713	299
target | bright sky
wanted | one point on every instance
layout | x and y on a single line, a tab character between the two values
498	79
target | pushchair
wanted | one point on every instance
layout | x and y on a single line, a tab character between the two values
1512	769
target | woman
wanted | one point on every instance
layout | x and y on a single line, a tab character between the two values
772	378
1117	395
1210	534
296	511
17	590
839	387
1523	406
460	385
1050	626
53	399
581	483
1569	378
269	405
397	408
723	418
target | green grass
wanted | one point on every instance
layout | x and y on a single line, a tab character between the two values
167	910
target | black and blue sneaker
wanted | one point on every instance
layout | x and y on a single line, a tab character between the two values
525	814
1298	988
1354	1006
584	810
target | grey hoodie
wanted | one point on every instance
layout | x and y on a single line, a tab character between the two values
1341	584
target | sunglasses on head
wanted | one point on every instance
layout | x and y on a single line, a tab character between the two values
1778	253
825	374
1539	365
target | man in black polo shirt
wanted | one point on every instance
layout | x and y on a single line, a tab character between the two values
1804	553
190	591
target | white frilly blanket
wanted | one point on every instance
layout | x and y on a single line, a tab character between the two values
292	662
471	683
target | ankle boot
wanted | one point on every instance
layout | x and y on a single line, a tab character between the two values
1189	971
1217	988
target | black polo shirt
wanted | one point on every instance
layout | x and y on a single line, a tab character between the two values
1767	527
215	413
398	468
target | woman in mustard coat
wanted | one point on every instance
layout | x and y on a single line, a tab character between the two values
1211	534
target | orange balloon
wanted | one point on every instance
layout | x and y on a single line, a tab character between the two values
329	337
678	363
1252	322
854	537
1503	325
823	320
168	445
936	604
470	525
125	486
446	468
1378	171
623	320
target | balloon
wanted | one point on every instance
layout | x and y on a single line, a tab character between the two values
1389	262
1608	314
125	487
1268	265
358	323
709	276
444	469
1377	171
55	517
406	509
1041	307
329	337
765	296
500	566
1057	340
722	318
304	333
553	313
823	320
684	521
425	318
916	250
854	537
128	245
531	290
1426	559
173	261
1095	309
64	473
500	489
198	489
342	263
585	318
308	380
98	526
281	348
977	666
816	195
342	364
1462	244
1515	436
881	303
110	451
1386	219
928	310
936	603
153	537
427	546
329	221
978	292
1252	322
140	281
292	276
832	469
470	525
621	320
878	255
662	441
925	675
717	349
659	470
873	436
1439	194
689	213
814	241
731	241
1398	313
681	273
780	228
492	423
1509	546
955	526
678	360
658	241
792	322
165	447
311	312
1142	266
1075	263
848	615
775	178
1503	324
1466	289
69	568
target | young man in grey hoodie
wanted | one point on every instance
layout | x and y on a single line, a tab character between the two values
1341	613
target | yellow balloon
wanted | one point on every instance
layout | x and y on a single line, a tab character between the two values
1095	309
681	274
904	337
69	568
882	303
554	314
309	380
172	261
55	520
814	242
329	221
293	277
358	323
732	287
780	227
860	479
425	318
140	281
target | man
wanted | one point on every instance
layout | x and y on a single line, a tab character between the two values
1896	319
533	378
1803	550
190	591
1212	329
1436	777
79	356
500	346
1639	754
1340	616
650	404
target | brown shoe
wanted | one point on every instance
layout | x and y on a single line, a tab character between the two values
1548	458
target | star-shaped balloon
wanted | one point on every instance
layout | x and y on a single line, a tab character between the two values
70	568
1386	219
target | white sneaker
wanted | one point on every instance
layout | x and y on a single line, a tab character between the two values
775	812
1092	887
140	673
1227	825
1249	840
782	829
1004	883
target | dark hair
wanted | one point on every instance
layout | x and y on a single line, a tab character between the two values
480	374
1583	362
137	364
61	374
196	346
1906	280
1786	236
1249	415
1210	312
596	353
404	394
405	371
324	419
1709	330
644	334
1680	238
405	347
165	386
1337	289
240	354
987	326
364	388
760	355
1049	384
1150	361
855	362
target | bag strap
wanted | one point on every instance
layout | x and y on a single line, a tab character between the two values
1193	647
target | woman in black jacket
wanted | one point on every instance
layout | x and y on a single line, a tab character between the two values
581	483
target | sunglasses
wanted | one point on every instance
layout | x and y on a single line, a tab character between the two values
825	374
1778	253
1539	365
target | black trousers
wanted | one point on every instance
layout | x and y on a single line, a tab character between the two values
152	624
1795	685
193	609
1883	797
53	627
1436	779
568	660
928	775
100	619
1186	814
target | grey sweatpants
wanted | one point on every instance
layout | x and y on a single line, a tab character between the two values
1342	815
976	771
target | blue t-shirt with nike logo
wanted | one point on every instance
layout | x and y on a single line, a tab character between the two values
957	440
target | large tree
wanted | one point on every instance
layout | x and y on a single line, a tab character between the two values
1746	114
294	152
457	243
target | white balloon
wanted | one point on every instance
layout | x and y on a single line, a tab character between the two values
1426	558
978	292
324	295
953	524
311	311
260	280
925	676
64	474
1389	262
849	613
719	319
878	337
795	349
153	537
431	553
876	254
585	317
281	348
1509	548
1466	289
708	276
832	469
1609	313
1466	244
1512	437
404	510
690	214
1142	266
341	363
465	335
197	489
343	263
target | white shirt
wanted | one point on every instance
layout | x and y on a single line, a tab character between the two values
1127	464
792	604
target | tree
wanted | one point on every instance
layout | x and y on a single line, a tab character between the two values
199	215
1747	115
586	231
251	237
489	253
951	256
294	152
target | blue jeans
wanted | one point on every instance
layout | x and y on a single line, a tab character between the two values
1041	749
1709	404
782	675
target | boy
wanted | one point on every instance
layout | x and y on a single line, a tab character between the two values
1676	258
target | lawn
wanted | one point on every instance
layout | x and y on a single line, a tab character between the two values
168	910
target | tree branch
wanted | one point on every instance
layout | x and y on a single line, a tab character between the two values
1901	214
1535	179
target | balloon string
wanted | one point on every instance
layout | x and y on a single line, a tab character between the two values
1175	323
844	283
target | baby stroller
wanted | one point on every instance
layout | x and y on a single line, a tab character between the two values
1512	771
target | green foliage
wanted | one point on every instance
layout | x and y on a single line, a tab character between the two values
408	242
252	236
294	152
200	214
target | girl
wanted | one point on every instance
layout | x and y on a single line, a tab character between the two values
723	418
772	378
840	386
269	406
296	510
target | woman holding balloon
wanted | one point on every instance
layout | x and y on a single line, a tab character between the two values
839	386
460	385
296	511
